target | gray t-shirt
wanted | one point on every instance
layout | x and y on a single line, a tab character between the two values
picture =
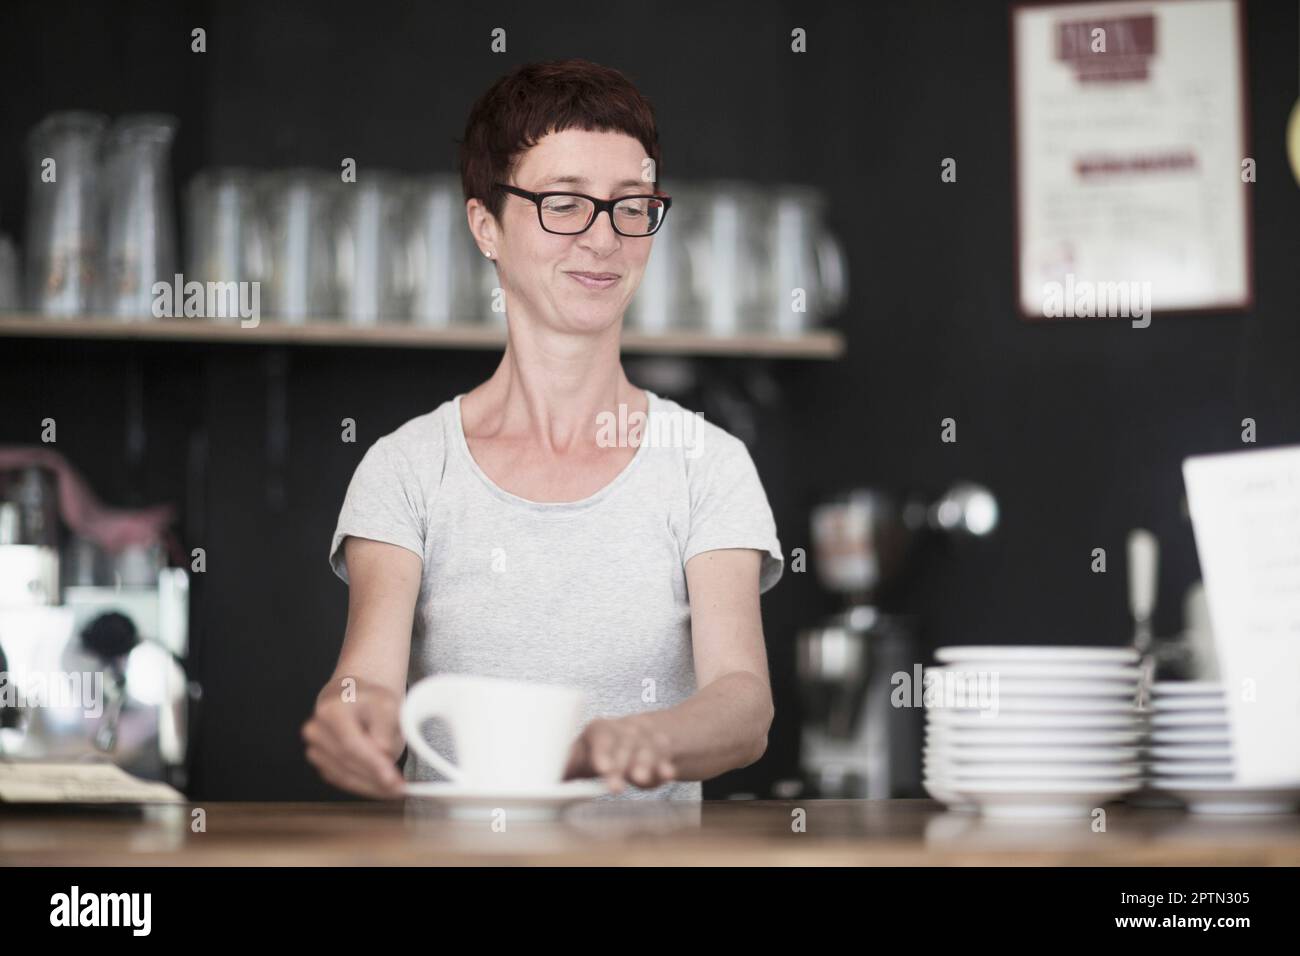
588	593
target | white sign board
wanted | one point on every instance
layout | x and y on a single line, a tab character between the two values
1246	513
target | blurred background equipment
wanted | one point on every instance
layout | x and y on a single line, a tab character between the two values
855	741
93	640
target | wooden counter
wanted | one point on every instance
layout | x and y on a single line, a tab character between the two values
838	832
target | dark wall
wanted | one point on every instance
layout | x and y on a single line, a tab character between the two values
1080	428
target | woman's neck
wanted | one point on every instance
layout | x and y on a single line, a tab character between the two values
552	388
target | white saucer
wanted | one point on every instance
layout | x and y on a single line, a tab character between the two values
1031	670
1190	752
1219	737
1013	654
1039	800
1030	687
1193	768
968	720
1216	719
958	753
1028	737
1194	688
467	801
1017	703
1061	773
1165	705
1215	796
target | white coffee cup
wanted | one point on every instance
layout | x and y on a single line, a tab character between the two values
508	734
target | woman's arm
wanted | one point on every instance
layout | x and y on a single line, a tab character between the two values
725	722
354	736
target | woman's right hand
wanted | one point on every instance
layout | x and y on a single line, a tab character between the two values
354	737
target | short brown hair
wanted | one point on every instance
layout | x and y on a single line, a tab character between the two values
539	98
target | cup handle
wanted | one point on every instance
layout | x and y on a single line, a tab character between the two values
427	699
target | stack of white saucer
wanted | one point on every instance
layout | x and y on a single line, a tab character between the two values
1190	753
1052	731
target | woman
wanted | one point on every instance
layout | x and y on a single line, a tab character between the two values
511	533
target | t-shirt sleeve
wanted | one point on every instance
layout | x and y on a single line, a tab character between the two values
384	501
729	508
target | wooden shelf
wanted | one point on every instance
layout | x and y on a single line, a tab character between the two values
823	344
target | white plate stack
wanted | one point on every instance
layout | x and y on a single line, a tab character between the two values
1190	754
1041	732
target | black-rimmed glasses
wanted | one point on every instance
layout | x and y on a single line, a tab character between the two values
570	214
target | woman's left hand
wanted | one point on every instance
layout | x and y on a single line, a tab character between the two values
622	750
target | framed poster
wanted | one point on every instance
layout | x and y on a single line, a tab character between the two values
1132	168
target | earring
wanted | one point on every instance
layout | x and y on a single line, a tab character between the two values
488	253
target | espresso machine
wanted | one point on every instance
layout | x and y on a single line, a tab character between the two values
92	644
855	742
